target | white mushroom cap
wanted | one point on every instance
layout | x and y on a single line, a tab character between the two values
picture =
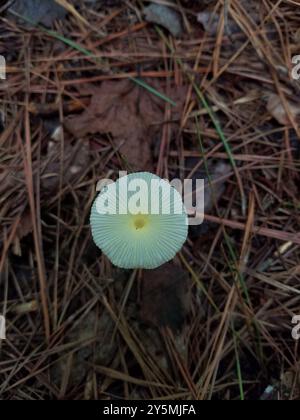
136	225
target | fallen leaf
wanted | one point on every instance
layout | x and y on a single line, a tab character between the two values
164	296
277	110
37	11
164	16
210	20
130	114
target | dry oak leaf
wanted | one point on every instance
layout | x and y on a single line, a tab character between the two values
127	112
37	11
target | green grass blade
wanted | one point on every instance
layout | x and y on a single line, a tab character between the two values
152	90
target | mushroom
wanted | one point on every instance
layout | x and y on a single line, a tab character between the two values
139	221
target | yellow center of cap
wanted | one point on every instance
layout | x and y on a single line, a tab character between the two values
140	221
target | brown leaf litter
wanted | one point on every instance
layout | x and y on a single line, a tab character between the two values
164	16
165	296
36	11
130	114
